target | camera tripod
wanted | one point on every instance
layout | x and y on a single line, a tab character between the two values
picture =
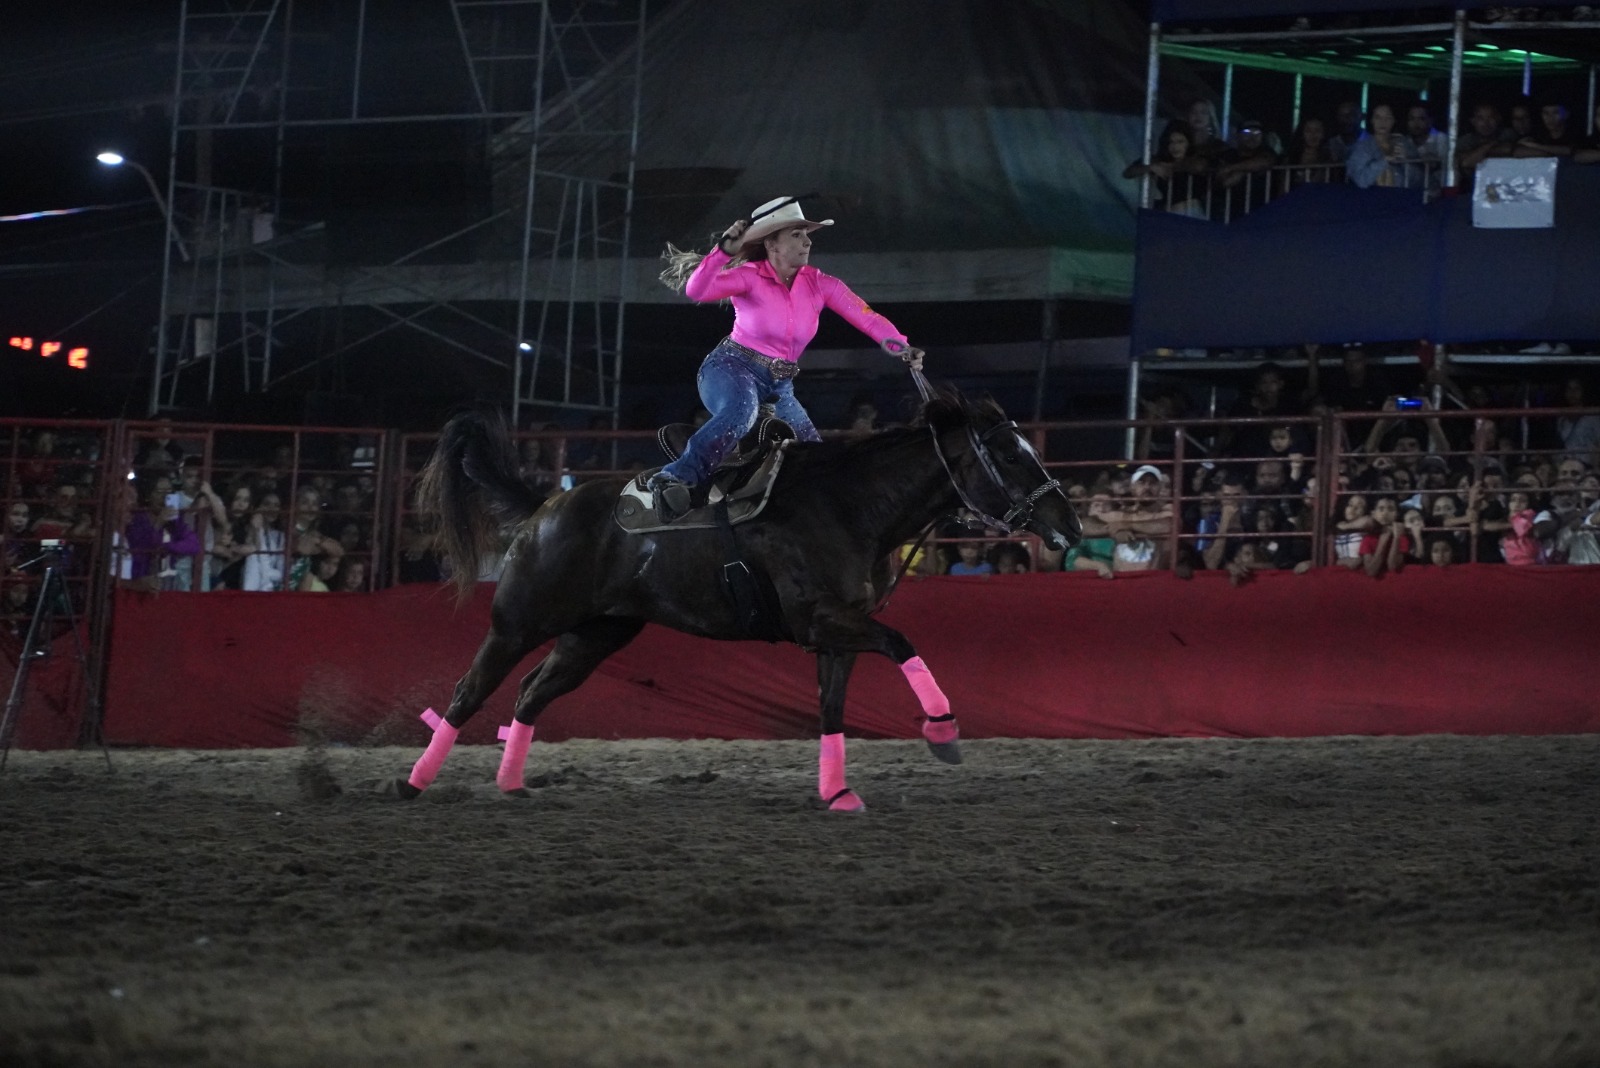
53	604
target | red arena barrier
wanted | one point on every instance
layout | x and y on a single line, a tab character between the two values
1466	650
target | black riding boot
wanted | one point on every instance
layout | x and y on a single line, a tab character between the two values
669	497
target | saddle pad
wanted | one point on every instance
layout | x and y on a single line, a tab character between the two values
633	511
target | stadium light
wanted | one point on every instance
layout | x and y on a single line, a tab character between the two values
117	159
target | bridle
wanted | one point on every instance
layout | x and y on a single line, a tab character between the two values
1020	510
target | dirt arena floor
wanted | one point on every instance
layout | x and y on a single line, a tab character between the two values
1428	901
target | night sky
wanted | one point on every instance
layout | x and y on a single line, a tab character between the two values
101	77
75	79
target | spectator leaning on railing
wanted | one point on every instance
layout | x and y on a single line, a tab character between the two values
1206	146
306	539
1486	138
1310	157
263	568
1387	545
1521	546
155	534
1177	185
1251	154
1345	131
1353	523
1094	552
1383	157
1427	144
1140	526
16	544
1553	136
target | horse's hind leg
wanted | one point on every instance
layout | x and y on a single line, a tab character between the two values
498	654
833	676
575	656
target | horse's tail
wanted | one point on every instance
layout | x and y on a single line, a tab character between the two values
471	482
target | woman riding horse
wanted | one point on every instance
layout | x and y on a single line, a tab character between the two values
820	548
760	264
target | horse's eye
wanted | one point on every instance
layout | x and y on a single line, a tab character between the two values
1011	457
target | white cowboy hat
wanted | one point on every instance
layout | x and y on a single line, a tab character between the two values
778	214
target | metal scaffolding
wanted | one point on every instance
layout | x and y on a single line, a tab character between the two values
522	269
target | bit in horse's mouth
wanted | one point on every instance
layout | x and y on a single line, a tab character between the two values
1056	540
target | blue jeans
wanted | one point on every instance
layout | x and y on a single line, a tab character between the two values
733	389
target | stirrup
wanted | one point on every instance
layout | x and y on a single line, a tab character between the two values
669	497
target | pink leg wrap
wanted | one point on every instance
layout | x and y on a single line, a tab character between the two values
830	771
432	759
830	776
935	705
517	736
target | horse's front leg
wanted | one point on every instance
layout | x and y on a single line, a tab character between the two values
938	722
845	627
833	677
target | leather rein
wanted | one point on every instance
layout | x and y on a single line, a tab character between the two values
1021	510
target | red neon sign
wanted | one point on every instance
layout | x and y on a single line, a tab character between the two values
77	358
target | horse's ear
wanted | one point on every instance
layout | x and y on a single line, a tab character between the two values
945	409
989	407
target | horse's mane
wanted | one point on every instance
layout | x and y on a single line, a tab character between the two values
945	409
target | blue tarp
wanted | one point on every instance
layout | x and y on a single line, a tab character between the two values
1334	263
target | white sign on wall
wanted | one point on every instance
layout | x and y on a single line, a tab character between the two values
1515	193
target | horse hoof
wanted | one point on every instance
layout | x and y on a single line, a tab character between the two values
846	801
949	752
516	792
405	791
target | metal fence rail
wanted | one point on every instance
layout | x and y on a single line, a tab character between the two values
335	505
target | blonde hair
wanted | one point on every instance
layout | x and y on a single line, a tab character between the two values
681	263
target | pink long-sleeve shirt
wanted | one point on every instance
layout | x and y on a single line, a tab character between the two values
779	320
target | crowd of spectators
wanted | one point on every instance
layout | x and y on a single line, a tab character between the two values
1412	485
1198	169
50	489
284	522
171	516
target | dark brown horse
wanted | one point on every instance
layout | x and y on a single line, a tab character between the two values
819	553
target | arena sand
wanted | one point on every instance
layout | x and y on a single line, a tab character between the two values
1427	901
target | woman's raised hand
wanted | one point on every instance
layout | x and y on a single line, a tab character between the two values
729	242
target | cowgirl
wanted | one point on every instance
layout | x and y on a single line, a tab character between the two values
761	265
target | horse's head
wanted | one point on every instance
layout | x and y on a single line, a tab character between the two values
997	473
